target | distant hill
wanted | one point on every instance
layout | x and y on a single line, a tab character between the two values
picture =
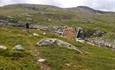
88	9
82	16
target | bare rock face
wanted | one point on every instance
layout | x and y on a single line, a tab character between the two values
18	48
57	43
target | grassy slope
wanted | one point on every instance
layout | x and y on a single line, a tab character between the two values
57	58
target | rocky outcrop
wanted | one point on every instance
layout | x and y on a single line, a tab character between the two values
95	37
83	34
102	42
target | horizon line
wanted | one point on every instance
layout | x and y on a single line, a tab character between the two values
56	6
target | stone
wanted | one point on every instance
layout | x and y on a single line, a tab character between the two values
3	47
99	33
80	40
18	48
67	64
41	60
35	34
44	33
90	43
46	42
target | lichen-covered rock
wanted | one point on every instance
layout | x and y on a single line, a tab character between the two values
18	48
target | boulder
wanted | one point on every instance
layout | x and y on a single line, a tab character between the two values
57	43
67	64
18	48
46	42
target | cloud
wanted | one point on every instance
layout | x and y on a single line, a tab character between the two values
6	2
107	5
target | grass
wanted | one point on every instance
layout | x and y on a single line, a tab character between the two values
25	63
96	59
10	37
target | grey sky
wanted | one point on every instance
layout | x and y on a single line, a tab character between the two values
106	5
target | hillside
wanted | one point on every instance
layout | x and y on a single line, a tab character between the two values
93	58
31	56
44	14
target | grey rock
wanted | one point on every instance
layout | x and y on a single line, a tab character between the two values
99	33
35	34
41	60
57	43
18	48
47	42
101	42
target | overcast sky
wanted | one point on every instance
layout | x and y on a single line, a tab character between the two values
106	5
